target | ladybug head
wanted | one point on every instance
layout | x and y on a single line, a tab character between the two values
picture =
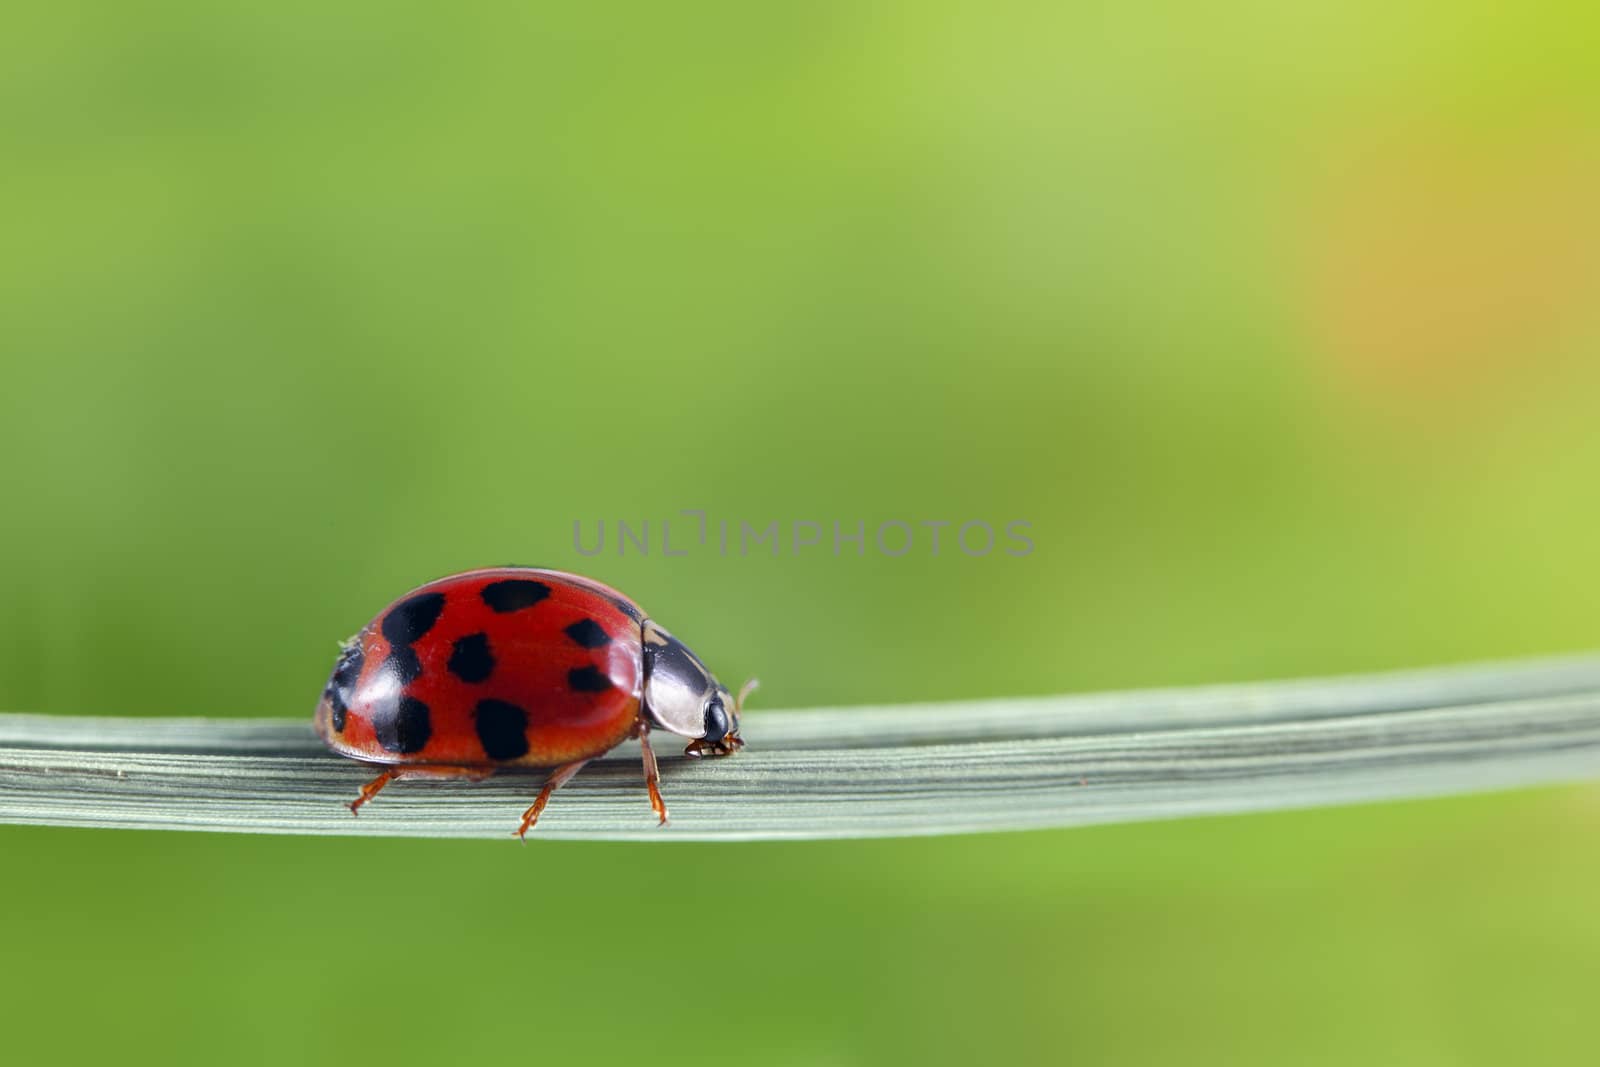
682	696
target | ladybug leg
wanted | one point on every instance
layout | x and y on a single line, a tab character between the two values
652	773
394	774
372	788
557	779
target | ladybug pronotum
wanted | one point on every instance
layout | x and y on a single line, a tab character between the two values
517	667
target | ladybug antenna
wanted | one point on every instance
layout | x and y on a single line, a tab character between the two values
745	690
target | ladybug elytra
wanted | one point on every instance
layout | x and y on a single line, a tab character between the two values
517	667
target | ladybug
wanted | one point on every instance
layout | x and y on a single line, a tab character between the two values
517	667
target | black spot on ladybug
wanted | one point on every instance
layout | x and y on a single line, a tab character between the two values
470	658
348	669
588	633
514	594
627	608
402	725
502	729
412	618
588	680
341	686
403	664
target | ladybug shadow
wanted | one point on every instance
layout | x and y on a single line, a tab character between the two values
620	775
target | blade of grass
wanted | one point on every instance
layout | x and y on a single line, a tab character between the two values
870	771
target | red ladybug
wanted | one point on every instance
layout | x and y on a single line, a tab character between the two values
517	667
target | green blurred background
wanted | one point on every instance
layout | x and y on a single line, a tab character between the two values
1277	322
